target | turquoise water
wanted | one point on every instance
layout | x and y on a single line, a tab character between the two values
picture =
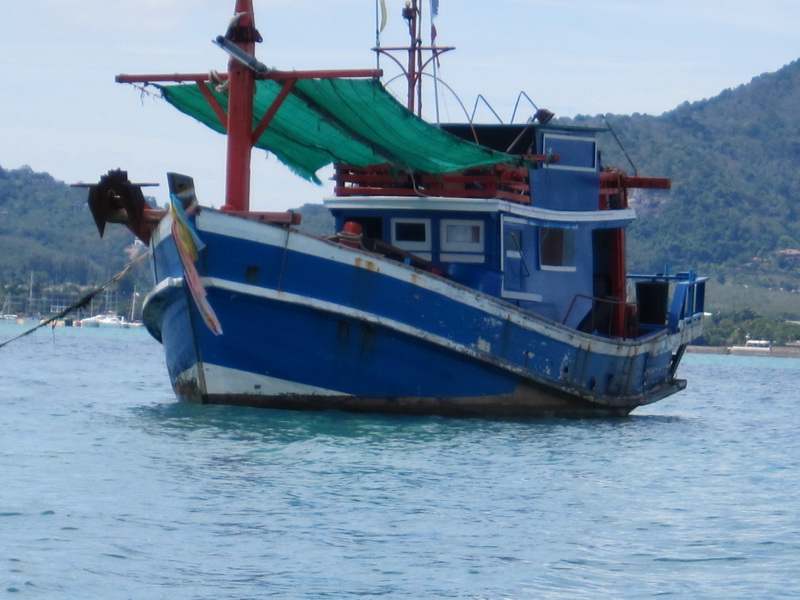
111	489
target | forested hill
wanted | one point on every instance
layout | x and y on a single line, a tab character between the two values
46	230
733	160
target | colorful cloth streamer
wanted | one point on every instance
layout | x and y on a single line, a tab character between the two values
189	245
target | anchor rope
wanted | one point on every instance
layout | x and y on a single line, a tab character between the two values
83	301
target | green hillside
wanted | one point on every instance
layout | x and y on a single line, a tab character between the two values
47	234
734	208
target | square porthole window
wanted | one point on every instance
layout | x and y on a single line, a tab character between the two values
462	241
556	249
412	235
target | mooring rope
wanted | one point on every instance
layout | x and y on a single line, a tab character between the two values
83	301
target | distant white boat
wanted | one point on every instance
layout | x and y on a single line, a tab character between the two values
108	320
3	314
752	346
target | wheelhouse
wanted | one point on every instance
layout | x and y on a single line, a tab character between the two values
546	234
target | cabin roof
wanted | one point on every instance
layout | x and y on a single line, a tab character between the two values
513	138
392	205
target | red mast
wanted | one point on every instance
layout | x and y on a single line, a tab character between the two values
241	87
243	71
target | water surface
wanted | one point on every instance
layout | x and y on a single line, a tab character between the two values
109	488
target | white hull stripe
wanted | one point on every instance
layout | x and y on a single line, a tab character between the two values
224	380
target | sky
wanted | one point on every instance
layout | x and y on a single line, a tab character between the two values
61	111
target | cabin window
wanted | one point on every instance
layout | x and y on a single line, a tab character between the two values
514	242
557	249
411	232
413	235
462	241
575	153
517	284
462	236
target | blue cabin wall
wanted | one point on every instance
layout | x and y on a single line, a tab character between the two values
572	182
569	184
511	266
475	265
546	289
561	287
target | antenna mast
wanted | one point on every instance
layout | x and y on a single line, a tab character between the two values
416	63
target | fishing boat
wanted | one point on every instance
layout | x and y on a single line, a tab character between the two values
478	270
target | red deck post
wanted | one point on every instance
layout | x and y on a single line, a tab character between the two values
241	87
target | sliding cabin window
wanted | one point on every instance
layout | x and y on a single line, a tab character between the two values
413	235
462	241
518	243
513	245
556	249
575	153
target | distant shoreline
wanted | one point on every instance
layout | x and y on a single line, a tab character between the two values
777	351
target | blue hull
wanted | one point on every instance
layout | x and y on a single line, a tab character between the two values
309	324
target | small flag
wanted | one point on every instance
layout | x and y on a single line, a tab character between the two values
188	245
434	12
187	232
383	15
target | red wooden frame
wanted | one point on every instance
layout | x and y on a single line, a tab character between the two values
238	122
499	181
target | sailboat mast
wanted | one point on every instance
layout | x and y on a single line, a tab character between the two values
241	87
30	297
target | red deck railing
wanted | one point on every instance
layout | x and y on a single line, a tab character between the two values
499	181
503	181
608	316
614	186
